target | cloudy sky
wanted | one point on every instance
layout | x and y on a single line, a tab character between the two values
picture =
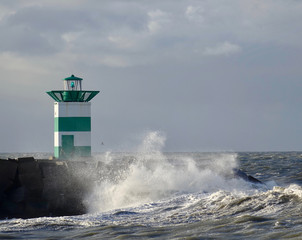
210	75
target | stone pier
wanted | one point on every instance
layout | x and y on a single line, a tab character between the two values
38	187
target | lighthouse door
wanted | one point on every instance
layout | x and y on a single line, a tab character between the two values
67	146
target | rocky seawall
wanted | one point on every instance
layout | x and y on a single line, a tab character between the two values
38	187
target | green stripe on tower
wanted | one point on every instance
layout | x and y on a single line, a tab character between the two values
68	124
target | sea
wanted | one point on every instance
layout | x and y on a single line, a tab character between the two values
152	194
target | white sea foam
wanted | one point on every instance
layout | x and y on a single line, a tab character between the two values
152	176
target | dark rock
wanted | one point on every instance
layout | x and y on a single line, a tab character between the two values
244	176
8	169
35	188
30	177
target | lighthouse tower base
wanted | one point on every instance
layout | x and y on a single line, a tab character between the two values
72	133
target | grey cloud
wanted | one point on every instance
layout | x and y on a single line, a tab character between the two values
225	48
211	74
49	20
21	40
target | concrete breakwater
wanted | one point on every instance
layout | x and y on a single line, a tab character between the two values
38	187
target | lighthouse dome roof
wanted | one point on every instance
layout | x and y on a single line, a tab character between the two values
73	78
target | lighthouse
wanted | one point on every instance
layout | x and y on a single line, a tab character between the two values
72	119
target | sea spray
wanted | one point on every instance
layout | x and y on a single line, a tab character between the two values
234	209
149	175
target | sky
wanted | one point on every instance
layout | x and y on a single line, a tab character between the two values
207	75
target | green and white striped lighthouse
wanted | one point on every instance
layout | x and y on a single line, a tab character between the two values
72	115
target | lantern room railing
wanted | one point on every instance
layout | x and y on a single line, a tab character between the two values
72	96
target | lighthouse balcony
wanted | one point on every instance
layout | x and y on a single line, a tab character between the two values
72	96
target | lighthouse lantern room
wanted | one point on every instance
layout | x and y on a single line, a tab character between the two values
72	119
73	83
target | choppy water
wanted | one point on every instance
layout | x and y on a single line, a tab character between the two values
150	194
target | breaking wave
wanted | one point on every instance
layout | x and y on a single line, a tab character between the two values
149	175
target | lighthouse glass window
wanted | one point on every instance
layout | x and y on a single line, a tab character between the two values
72	85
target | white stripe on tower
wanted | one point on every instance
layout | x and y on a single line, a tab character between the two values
72	109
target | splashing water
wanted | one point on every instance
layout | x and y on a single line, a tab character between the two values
180	195
152	176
